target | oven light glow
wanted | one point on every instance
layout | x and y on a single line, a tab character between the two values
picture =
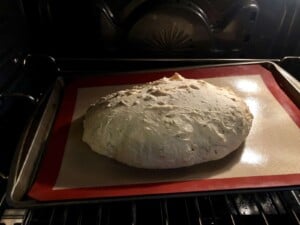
251	157
253	105
247	86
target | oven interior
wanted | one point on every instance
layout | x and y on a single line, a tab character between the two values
44	39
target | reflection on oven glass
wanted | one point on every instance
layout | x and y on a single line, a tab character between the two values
253	105
244	85
251	157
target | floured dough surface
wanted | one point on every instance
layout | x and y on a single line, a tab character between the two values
169	123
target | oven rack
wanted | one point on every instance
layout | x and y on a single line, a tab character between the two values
265	208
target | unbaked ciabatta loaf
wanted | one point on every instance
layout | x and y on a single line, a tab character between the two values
169	123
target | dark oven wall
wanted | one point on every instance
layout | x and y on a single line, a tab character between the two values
18	83
172	28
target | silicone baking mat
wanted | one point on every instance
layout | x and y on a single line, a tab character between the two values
268	158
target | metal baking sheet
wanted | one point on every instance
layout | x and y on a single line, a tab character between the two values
269	157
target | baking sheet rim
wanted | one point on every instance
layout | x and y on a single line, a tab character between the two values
46	192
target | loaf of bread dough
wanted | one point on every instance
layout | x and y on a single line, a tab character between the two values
168	123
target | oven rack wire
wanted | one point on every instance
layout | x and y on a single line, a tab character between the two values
265	208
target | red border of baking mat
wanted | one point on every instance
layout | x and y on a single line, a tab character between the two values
47	175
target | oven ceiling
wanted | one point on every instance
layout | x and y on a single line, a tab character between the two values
143	28
173	28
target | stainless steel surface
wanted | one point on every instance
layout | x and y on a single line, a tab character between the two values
21	174
20	95
294	82
2	176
